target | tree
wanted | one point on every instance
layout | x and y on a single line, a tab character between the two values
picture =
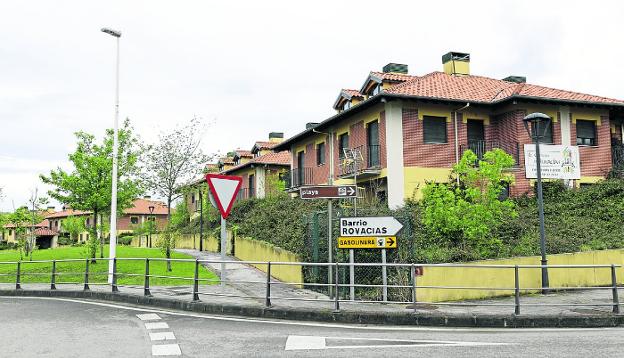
74	225
19	219
167	242
466	213
174	161
36	204
88	185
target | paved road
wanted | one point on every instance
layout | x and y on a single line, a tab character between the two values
40	327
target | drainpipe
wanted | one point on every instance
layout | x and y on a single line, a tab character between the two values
457	135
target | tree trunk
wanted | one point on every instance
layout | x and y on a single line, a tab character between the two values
168	254
94	233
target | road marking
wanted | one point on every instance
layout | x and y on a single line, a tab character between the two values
166	350
148	317
161	336
321	325
156	325
294	343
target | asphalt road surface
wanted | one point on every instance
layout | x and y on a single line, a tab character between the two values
50	327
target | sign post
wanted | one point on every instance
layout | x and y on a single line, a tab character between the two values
371	232
224	189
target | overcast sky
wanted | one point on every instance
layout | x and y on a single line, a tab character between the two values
261	66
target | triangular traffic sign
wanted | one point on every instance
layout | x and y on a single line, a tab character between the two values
224	189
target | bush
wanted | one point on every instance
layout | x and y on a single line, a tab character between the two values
125	239
4	245
66	241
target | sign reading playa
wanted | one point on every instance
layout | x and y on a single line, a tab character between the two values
558	161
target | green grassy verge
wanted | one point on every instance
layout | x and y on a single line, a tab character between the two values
73	272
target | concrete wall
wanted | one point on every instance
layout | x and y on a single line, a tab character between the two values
253	250
529	277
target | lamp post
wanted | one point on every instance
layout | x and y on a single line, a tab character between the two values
113	216
537	125
152	222
201	220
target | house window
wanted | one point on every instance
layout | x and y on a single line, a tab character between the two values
343	143
548	136
252	189
88	222
56	224
434	129
376	89
372	138
193	198
320	153
585	132
134	220
346	105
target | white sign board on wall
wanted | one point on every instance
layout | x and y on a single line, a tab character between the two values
558	161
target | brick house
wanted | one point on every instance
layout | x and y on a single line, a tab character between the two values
142	210
407	130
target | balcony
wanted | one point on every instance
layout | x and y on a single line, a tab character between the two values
365	162
480	147
296	178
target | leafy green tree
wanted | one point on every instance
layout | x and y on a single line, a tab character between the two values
468	212
74	225
88	185
20	220
167	242
36	205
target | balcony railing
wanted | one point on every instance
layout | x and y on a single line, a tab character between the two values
617	158
297	177
363	160
480	147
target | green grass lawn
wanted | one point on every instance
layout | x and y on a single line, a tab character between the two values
73	272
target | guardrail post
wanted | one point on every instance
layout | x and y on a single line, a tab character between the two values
517	290
336	292
53	278
18	274
413	274
114	282
196	282
616	301
146	282
268	285
86	276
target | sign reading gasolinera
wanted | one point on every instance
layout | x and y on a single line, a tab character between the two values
369	226
383	242
557	161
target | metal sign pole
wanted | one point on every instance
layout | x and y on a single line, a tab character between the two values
384	275
330	248
223	246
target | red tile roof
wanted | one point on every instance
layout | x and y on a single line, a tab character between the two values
392	76
352	93
272	158
439	85
260	145
44	231
44	223
66	213
244	153
141	207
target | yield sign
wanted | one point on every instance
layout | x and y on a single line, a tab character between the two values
224	189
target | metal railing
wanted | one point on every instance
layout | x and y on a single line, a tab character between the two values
297	177
617	157
367	158
480	147
410	286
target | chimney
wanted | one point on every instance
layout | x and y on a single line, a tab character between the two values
276	137
456	63
395	67
515	79
311	125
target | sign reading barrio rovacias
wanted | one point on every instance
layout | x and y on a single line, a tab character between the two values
557	161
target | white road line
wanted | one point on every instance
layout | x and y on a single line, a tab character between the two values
161	336
294	343
316	324
166	350
148	317
156	325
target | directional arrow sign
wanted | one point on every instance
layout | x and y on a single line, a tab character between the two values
375	226
383	242
224	189
328	192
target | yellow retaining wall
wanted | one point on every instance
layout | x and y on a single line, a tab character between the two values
529	277
253	250
185	241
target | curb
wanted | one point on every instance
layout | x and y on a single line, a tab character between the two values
326	315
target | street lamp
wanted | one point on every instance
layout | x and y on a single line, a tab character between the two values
152	222
113	216
537	125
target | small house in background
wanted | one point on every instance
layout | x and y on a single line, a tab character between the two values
45	237
142	210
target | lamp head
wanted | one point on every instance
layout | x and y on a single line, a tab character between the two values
151	209
111	32
537	124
